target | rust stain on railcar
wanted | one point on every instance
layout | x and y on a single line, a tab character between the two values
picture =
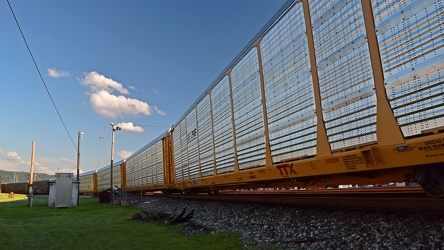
332	160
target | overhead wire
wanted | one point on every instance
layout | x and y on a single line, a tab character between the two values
145	126
41	77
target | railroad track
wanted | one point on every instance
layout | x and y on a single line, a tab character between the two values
397	199
312	220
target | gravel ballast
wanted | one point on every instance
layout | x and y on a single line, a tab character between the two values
308	228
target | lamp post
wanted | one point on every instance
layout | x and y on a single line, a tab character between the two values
79	134
114	128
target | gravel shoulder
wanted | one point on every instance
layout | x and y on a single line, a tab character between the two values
307	228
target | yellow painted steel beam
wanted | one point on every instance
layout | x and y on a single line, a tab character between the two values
123	175
236	165
322	144
368	162
268	158
387	129
212	134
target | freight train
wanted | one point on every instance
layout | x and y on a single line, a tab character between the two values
327	93
22	187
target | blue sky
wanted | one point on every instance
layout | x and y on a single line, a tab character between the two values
139	64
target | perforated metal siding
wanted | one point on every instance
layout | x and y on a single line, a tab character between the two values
344	70
205	137
86	182
223	129
289	88
144	170
248	114
150	165
158	163
180	155
140	171
411	39
104	175
154	164
130	172
193	147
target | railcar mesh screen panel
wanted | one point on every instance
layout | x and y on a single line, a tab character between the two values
291	110
411	39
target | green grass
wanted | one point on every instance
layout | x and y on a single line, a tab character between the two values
92	225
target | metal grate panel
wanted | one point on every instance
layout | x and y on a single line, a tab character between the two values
411	39
289	88
193	150
180	151
345	74
223	129
248	117
205	136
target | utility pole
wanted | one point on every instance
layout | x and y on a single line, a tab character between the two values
112	158
79	134
31	175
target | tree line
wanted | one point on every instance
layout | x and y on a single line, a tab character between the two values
13	176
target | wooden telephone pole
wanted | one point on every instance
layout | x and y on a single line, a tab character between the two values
31	175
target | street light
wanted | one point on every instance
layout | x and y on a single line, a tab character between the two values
114	128
78	164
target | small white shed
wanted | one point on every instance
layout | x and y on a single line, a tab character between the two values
63	191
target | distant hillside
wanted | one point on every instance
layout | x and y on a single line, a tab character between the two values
11	176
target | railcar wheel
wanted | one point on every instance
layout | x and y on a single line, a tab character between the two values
432	180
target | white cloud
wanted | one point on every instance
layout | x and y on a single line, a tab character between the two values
129	126
160	112
112	106
57	73
155	91
98	82
124	154
56	165
11	161
104	103
13	155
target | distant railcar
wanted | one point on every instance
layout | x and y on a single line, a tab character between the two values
40	186
22	187
88	183
104	176
146	169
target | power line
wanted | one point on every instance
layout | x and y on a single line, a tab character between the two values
145	126
41	77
